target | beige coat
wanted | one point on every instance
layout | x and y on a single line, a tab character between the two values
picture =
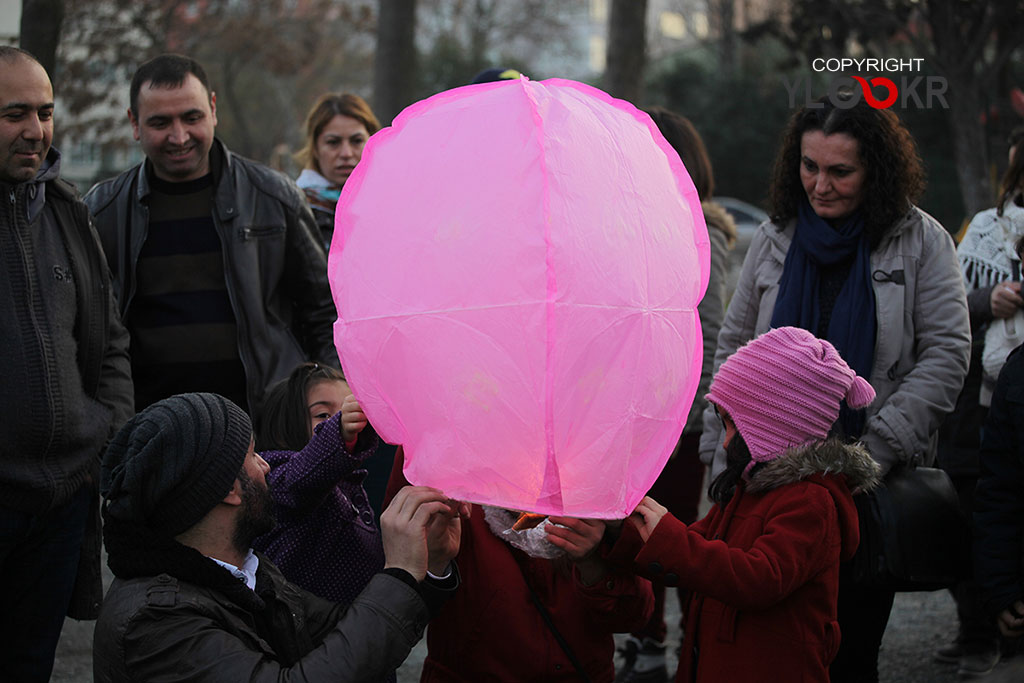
711	309
922	346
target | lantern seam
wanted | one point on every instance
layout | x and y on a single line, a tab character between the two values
551	486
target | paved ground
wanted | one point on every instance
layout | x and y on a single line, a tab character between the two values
920	623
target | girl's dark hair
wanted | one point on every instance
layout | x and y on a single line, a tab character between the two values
687	143
282	423
737	456
1013	179
894	175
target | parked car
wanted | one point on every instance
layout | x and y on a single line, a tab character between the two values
747	217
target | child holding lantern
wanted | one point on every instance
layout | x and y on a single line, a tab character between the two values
763	565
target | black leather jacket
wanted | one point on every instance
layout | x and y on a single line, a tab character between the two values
275	268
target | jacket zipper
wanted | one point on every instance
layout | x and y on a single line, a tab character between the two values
240	321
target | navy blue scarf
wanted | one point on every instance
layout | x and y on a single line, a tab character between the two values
852	328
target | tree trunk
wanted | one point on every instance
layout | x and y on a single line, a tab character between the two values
627	50
40	30
394	74
969	148
479	31
245	142
723	13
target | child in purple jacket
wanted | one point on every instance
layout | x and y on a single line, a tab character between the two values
326	539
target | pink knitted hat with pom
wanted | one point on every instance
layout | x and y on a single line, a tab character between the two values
783	389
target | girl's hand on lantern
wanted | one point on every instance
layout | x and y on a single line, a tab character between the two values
353	421
647	515
579	539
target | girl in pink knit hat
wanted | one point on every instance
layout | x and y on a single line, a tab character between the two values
763	566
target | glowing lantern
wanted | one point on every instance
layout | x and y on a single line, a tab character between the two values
516	267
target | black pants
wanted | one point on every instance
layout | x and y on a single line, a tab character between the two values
977	630
38	564
863	616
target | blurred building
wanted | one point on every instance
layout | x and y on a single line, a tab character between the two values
674	25
10	19
88	152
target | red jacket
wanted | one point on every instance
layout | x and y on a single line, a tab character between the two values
491	631
763	569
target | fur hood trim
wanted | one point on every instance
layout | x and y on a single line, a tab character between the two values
715	216
824	457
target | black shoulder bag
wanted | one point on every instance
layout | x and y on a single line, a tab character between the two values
913	534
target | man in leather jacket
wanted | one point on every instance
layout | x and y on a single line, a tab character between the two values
64	381
216	263
185	494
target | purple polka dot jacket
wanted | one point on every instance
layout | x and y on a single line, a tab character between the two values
326	539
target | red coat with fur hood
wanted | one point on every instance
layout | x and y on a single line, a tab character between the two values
763	569
491	631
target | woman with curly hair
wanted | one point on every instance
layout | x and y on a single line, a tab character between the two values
847	256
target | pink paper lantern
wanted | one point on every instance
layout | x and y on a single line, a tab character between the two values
516	267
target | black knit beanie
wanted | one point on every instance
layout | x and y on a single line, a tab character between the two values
173	462
495	74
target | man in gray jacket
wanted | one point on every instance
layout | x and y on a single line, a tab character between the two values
64	382
185	494
217	267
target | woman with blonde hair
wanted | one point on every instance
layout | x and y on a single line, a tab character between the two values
336	130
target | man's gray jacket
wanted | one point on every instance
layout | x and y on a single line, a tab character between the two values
170	629
65	382
275	268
